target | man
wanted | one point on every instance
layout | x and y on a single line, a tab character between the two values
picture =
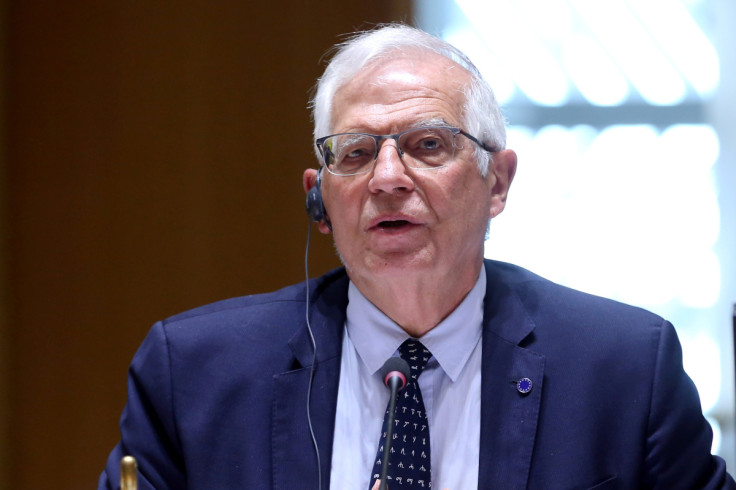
527	384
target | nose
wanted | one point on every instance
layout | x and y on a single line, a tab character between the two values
389	172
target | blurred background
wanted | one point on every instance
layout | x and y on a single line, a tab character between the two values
151	160
622	113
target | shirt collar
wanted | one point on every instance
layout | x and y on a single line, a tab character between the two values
376	337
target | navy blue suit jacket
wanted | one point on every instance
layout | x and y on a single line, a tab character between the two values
217	395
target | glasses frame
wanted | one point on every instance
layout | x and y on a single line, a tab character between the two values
319	142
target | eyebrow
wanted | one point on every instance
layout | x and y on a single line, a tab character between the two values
435	121
423	123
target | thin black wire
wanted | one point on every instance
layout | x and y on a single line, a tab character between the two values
314	359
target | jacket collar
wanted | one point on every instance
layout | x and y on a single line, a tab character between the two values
508	417
294	459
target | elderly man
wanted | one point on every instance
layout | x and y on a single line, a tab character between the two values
514	382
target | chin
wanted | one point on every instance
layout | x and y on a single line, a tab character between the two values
397	263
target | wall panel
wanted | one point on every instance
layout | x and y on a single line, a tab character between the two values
154	159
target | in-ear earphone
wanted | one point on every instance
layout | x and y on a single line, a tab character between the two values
315	205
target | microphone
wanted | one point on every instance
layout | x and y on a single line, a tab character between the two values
394	372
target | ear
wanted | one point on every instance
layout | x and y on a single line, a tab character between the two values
309	180
503	169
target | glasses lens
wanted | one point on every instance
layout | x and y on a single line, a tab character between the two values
347	154
353	153
428	147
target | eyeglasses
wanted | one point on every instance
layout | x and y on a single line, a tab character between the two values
419	148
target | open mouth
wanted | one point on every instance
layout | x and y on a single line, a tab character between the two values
393	224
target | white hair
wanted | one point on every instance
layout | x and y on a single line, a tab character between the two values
481	116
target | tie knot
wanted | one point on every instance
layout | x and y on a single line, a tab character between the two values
414	353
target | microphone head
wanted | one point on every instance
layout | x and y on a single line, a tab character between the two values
395	367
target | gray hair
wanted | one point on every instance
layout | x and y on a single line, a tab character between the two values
481	115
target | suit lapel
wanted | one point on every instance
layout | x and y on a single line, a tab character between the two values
508	417
294	458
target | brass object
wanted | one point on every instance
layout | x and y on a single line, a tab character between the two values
128	473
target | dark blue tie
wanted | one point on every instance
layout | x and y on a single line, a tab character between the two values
410	459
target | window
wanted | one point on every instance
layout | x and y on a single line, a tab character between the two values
613	109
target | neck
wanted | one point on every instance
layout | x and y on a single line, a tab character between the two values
418	302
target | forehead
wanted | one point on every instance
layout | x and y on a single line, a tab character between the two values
402	90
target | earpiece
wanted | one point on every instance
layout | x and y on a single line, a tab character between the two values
315	205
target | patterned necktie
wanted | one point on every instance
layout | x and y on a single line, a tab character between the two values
410	460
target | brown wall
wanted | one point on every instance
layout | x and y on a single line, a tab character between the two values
4	374
153	158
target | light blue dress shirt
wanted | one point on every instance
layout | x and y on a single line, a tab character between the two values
450	387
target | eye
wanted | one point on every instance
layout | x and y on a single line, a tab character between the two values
428	147
429	143
427	140
353	153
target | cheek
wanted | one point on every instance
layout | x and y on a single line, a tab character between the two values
340	202
343	206
455	195
473	196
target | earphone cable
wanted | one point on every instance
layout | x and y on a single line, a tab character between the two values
314	359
